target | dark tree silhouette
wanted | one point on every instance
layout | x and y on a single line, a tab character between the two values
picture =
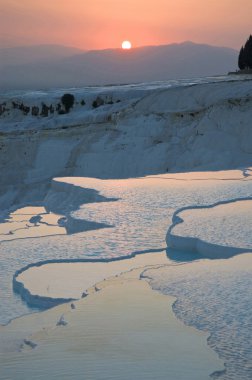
248	48
68	101
245	56
241	59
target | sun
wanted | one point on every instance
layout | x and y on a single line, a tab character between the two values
126	45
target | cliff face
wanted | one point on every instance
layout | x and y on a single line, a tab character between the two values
201	127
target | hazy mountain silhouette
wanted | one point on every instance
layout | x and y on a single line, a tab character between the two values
32	54
100	67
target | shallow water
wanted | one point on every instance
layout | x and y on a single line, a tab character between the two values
215	297
30	222
138	222
123	331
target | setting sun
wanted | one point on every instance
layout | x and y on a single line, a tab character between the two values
126	45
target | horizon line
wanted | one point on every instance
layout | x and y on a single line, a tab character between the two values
115	48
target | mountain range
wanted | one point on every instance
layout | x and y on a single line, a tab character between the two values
51	66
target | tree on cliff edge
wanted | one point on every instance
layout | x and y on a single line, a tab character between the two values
245	55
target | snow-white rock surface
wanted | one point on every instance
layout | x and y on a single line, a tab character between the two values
149	131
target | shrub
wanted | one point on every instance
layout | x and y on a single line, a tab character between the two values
94	104
98	102
68	101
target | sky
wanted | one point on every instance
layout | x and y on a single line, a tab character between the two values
101	24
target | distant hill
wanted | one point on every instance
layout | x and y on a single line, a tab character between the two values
32	54
100	67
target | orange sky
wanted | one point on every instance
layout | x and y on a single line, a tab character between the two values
99	24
